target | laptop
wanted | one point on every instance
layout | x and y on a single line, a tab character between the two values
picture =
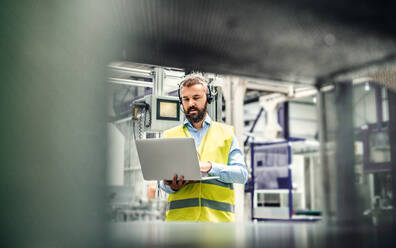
160	159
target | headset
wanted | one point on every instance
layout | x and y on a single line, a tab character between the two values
209	95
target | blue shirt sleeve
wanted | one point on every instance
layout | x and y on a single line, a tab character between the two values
165	187
235	171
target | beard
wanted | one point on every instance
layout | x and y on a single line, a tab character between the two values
196	117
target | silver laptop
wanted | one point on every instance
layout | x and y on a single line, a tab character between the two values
160	159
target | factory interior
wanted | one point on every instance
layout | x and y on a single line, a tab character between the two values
308	86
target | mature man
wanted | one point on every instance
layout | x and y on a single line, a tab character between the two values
219	155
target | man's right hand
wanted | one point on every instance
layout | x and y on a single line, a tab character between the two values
177	184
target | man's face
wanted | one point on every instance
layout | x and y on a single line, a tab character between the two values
194	102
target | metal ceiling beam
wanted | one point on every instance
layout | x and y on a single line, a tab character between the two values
263	86
130	82
132	71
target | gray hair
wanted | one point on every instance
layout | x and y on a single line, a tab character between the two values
193	79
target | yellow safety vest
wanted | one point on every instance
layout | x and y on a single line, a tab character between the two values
205	201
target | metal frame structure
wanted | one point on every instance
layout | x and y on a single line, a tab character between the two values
153	79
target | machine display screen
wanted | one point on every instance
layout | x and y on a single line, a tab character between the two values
379	146
168	109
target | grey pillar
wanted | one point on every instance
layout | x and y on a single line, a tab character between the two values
234	92
239	89
346	194
392	139
322	182
158	88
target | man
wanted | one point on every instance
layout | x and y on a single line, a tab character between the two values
219	155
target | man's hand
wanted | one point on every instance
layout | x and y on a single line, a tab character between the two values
205	166
177	184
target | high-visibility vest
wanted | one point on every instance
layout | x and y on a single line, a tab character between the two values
205	201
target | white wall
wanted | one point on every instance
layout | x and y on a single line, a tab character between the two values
115	156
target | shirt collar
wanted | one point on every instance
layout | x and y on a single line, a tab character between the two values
207	121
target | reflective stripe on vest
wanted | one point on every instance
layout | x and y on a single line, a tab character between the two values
194	202
209	200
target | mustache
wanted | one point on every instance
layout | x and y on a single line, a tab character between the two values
191	109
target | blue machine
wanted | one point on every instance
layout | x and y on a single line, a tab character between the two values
270	171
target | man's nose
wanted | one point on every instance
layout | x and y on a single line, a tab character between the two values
191	102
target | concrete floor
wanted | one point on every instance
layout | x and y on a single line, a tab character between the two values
160	234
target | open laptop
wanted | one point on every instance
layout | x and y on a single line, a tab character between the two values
160	159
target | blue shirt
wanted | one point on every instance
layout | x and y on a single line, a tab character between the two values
234	172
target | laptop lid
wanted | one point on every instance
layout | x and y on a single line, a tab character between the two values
160	159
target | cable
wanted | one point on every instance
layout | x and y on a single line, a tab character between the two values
133	120
147	123
141	118
140	123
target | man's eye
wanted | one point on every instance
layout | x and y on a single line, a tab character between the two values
196	98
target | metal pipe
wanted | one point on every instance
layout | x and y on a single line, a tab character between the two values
266	87
282	97
305	93
130	82
132	71
167	75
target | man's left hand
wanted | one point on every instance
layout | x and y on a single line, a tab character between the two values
205	166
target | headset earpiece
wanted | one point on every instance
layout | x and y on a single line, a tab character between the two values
179	94
209	96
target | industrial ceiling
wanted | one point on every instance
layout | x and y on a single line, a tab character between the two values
295	41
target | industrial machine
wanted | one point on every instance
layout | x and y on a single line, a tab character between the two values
155	114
